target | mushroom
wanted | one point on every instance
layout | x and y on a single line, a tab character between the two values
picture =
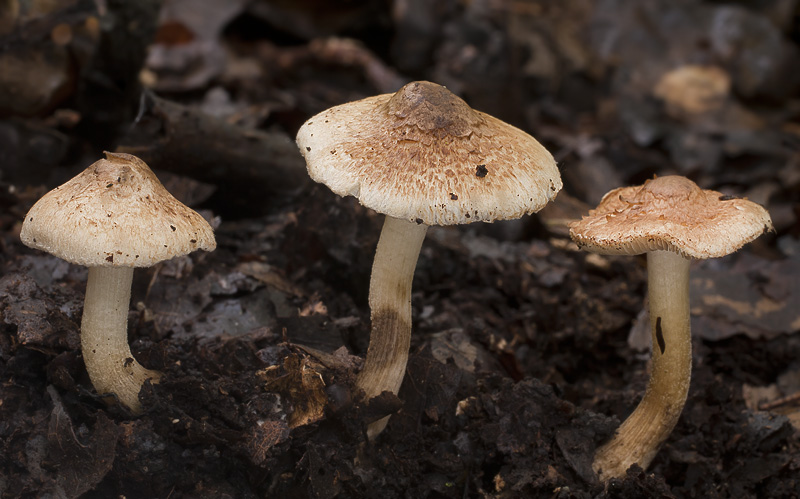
672	220
112	217
421	156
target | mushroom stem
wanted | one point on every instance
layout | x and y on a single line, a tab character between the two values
641	435
390	310
104	336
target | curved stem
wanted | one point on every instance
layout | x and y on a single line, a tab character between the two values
390	310
104	336
641	435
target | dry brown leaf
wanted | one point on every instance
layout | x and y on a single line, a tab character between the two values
693	89
301	383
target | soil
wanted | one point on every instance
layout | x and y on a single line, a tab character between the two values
526	352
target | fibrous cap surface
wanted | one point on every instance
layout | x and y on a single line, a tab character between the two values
115	213
422	154
670	213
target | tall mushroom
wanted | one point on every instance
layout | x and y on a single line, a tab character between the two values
112	217
421	156
672	220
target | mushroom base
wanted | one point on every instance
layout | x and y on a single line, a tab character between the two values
104	337
390	305
640	436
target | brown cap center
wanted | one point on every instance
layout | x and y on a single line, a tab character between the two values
433	108
669	187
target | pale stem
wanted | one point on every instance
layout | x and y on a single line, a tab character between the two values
104	336
639	438
390	310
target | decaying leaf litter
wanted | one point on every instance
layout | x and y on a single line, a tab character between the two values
525	352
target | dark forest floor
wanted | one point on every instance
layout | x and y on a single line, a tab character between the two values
526	353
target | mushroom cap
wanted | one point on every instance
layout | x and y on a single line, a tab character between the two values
670	213
115	214
422	154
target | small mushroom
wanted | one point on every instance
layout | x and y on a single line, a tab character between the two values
672	220
112	217
421	156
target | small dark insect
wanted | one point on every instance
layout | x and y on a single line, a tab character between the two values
660	336
481	171
128	362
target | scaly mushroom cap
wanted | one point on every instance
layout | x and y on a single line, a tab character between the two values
670	213
422	154
115	213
